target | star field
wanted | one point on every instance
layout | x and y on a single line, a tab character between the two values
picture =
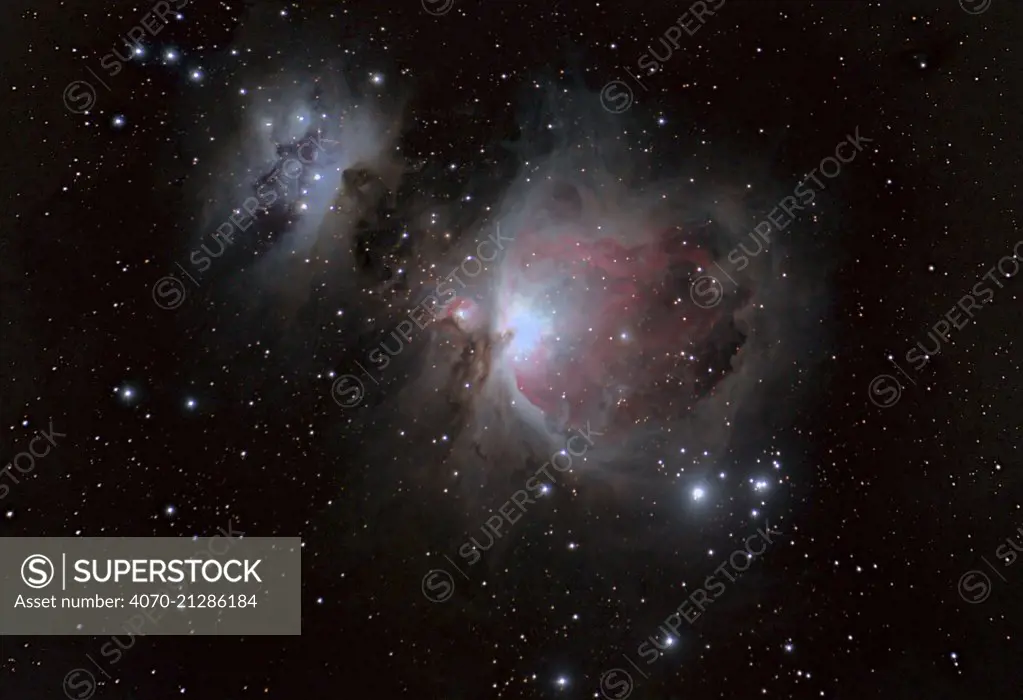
611	463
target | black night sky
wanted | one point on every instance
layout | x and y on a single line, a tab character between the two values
593	349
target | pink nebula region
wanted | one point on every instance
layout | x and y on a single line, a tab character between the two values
596	330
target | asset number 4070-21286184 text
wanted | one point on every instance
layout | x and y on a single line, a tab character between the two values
202	600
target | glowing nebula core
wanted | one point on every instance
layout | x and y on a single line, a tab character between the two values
597	328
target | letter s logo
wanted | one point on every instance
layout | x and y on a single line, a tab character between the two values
37	571
438	585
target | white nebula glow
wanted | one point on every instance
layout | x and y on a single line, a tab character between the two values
526	327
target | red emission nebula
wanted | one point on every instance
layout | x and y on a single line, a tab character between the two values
601	332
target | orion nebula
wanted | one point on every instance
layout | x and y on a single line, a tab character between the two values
563	303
